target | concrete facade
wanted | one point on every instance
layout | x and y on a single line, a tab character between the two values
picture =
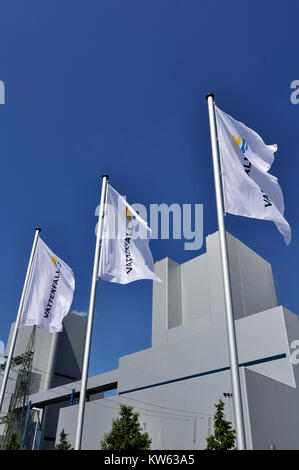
175	384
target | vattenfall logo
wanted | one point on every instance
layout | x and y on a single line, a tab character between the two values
127	243
129	214
53	287
242	144
56	262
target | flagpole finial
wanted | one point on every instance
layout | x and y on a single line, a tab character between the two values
210	94
38	228
105	176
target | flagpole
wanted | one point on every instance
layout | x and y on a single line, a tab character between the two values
232	343
90	316
18	319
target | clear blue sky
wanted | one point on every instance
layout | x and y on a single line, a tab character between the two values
118	87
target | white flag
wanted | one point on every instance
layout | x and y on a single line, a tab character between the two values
50	291
249	189
125	252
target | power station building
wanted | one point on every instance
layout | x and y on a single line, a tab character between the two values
56	361
175	384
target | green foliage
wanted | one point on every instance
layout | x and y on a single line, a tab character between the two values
63	443
126	433
224	436
13	443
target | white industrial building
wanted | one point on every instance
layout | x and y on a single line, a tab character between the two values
175	383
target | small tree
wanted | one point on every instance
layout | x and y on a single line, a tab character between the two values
224	436
13	443
126	433
63	444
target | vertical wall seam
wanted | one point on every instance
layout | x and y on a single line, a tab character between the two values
246	409
241	279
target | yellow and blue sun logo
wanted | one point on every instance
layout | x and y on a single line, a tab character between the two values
56	262
129	214
241	143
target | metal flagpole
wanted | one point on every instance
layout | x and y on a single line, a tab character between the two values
34	447
231	333
90	316
19	315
